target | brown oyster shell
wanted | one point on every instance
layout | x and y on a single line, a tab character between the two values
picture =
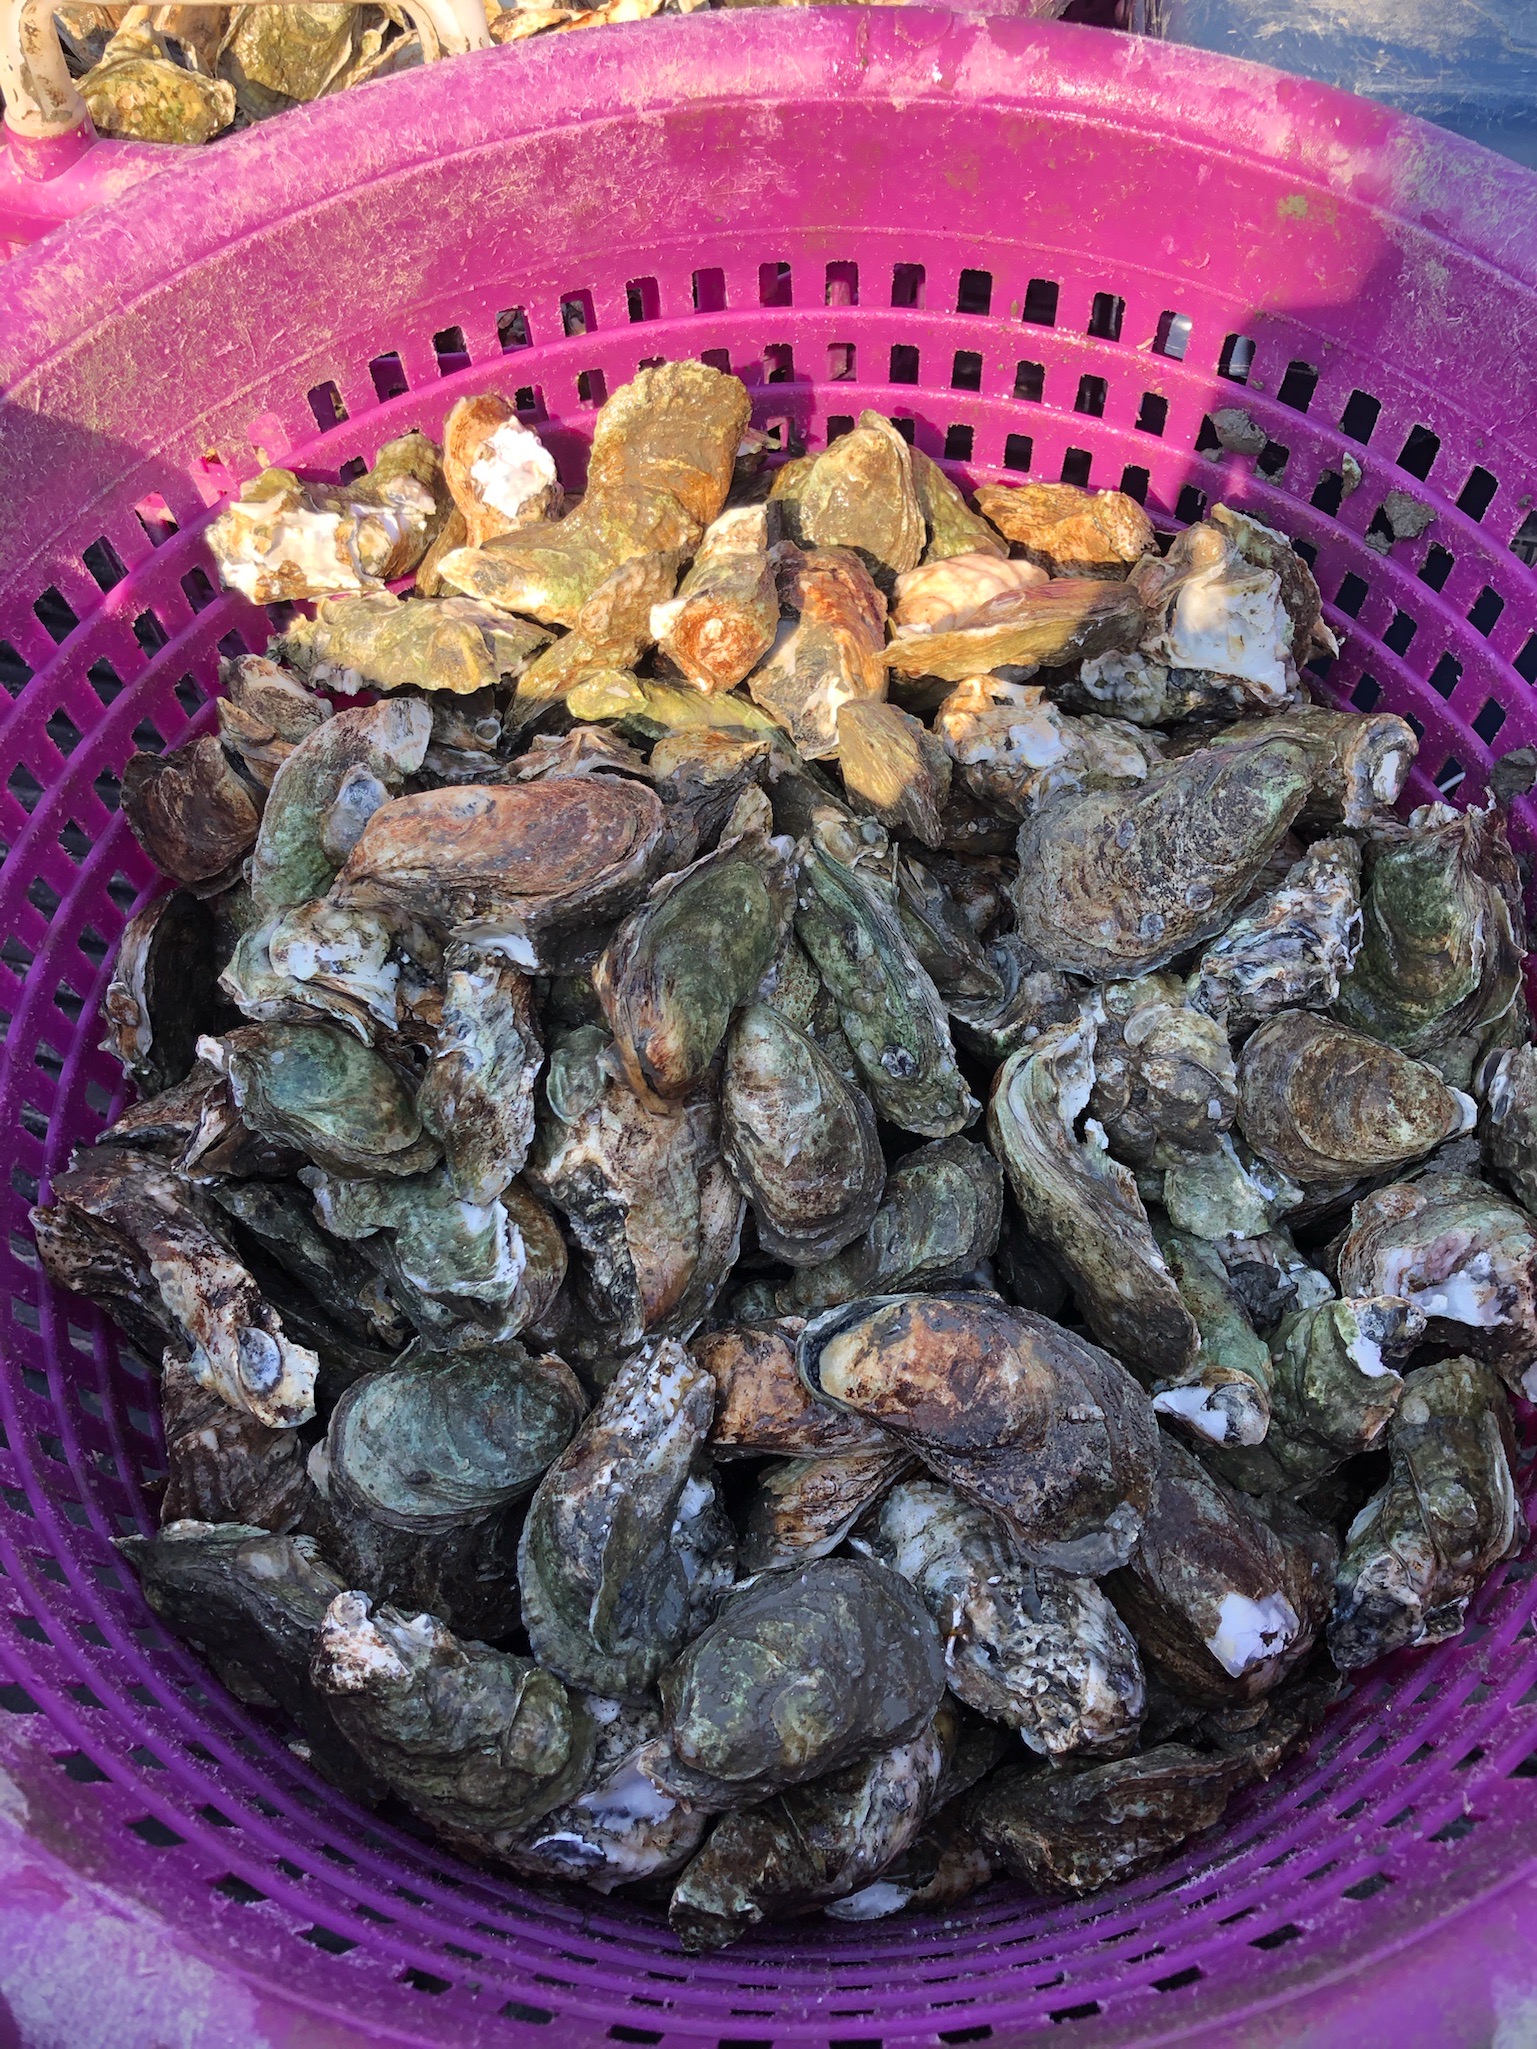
761	1403
1068	531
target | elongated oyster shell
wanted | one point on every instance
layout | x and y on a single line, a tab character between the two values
1068	531
860	494
938	1220
725	615
1014	747
1361	761
803	1508
761	1403
1224	1396
1026	1646
376	641
1291	949
941	938
1509	1125
810	1844
611	630
1048	624
477	1096
316	1087
847	920
649	1201
498	472
1114	882
1049	1433
607	1600
1031	998
1083	1205
473	1740
802	1672
893	768
954	529
801	1142
1449	1511
222	1465
191	813
1324	1104
162	993
829	653
122	1229
511	868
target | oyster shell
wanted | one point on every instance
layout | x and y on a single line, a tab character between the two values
1034	1649
954	529
224	1466
1164	1083
803	1508
1047	1432
894	769
162	994
1324	1104
1227	1195
1224	1396
1067	531
376	641
318	960
860	494
1114	882
498	472
1509	1125
847	920
943	1865
607	1596
1083	1206
316	1087
1361	761
477	1096
943	941
761	1403
264	713
808	1845
961	590
127	1232
726	613
473	1740
1031	999
1221	1605
1449	1511
831	650
801	1673
611	631
1216	610
138	91
1069	619
1014	747
192	813
1291	949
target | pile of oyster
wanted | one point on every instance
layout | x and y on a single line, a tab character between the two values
830	1203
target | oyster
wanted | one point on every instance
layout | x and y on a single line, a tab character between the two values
1361	761
954	529
611	631
943	1865
477	1096
697	948
1048	624
1227	1195
1114	882
1224	1396
192	813
761	1403
829	653
498	472
1067	531
946	947
800	1673
224	1466
473	1740
316	1087
1442	930
961	590
1449	1511
1509	1127
1215	610
1222	1605
324	795
726	613
803	1508
162	994
1461	1255
860	494
318	960
894	769
1083	1206
801	1142
1164	1082
127	1232
1030	1000
608	1597
1049	1433
847	920
1291	949
648	1200
138	91
1014	747
263	715
1026	1646
283	539
375	641
808	1845
1324	1104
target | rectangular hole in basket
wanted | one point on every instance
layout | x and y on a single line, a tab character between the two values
839	424
1446	675
528	400
512	329
197	589
190	696
1191	1974
1352	594
1040	307
1399	632
149	633
843	284
389	376
1359	419
1523	542
1191	505
1173	336
904	364
15	674
424	1981
1085	2010
1153	413
1207	437
1287	1932
1106	315
714	359
1489	721
840	362
1029	380
1329	493
63	732
958	442
903	422
351	471
1484	614
451	350
909	284
1134	482
576	313
148	737
779	363
1477	494
975	292
709	291
104	563
55	614
1307	551
326	405
643	298
1092	392
1076	465
1525	663
1272	460
966	371
1236	359
591	388
24	786
1454	1830
774	284
1017	452
1298	386
1437	566
156	518
1419	452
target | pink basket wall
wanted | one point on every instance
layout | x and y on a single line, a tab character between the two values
1058	252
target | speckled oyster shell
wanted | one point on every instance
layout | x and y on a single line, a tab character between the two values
860	495
1290	949
1224	1396
1047	1432
512	868
828	653
894	769
1067	531
1324	1104
319	960
1034	1649
122	1229
808	1845
1221	1605
954	528
608	1597
1164	1082
376	641
1227	1194
649	1202
1214	609
138	92
499	473
317	1088
1449	1511
192	813
477	1096
1031	999
1114	882
222	1466
801	1142
803	1508
1361	760
847	920
726	613
1014	747
802	1672
162	993
1083	1205
264	713
282	539
472	1739
1442	931
761	1403
1047	624
1508	1128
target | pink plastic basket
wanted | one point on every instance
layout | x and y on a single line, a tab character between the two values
1059	253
